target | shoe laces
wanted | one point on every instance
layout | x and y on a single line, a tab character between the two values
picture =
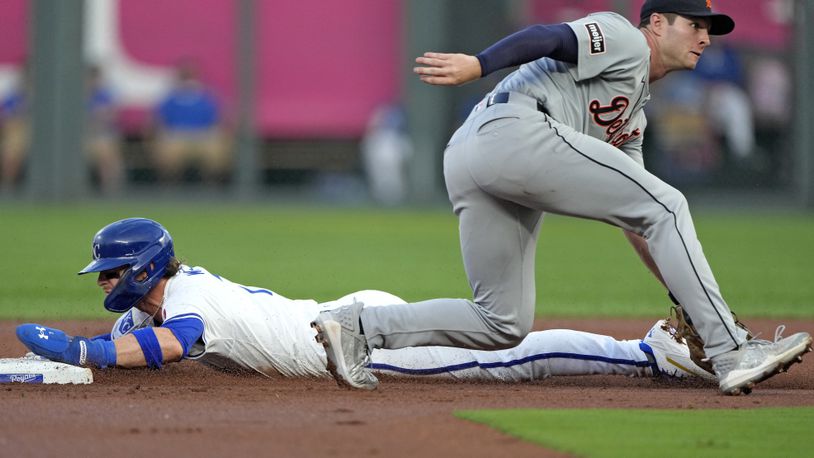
673	332
749	354
778	336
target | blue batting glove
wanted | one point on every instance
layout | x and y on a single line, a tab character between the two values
58	346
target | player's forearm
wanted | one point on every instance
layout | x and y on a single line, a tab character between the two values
640	245
129	352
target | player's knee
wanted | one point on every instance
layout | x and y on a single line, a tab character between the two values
671	203
509	333
509	340
675	200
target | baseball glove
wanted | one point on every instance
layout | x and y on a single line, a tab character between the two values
685	329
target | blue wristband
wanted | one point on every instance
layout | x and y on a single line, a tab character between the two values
102	353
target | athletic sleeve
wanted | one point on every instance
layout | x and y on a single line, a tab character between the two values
188	329
556	41
607	44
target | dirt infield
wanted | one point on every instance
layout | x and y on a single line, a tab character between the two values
189	410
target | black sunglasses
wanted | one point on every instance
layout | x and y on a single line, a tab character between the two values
111	274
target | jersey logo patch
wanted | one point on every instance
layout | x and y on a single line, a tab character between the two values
611	118
127	323
608	115
597	38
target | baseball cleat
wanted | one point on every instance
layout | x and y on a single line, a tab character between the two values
318	337
670	353
339	331
757	360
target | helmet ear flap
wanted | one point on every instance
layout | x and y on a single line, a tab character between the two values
148	263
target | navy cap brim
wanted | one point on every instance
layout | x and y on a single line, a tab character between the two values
719	24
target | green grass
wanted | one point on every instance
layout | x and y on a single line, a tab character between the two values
658	433
763	262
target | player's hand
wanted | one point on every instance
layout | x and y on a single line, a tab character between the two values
57	346
442	69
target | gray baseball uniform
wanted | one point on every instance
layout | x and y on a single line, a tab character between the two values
561	138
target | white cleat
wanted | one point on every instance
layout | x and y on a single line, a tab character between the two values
671	354
339	331
757	360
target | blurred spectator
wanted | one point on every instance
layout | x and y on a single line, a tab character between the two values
684	151
727	104
385	150
103	143
14	132
189	130
771	85
770	88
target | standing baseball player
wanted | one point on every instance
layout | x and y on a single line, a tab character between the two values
562	134
171	311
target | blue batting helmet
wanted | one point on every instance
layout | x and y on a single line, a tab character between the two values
141	244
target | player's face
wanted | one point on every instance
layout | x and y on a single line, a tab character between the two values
108	279
684	42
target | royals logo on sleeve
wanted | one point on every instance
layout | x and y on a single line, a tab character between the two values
126	323
597	38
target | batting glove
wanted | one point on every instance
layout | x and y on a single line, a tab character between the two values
58	346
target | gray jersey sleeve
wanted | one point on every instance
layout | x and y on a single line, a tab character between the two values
608	43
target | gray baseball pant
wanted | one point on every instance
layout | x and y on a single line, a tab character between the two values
504	167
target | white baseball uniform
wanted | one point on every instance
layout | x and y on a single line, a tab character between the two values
258	329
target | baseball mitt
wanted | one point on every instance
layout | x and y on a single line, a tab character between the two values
685	329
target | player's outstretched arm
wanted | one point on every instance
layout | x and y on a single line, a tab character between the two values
445	69
557	41
153	346
133	350
145	347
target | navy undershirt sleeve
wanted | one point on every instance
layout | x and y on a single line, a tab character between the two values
556	41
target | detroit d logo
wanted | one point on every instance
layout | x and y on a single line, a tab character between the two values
596	37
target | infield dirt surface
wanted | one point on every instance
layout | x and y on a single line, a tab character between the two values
187	409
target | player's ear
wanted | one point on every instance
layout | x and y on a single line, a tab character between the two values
657	23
